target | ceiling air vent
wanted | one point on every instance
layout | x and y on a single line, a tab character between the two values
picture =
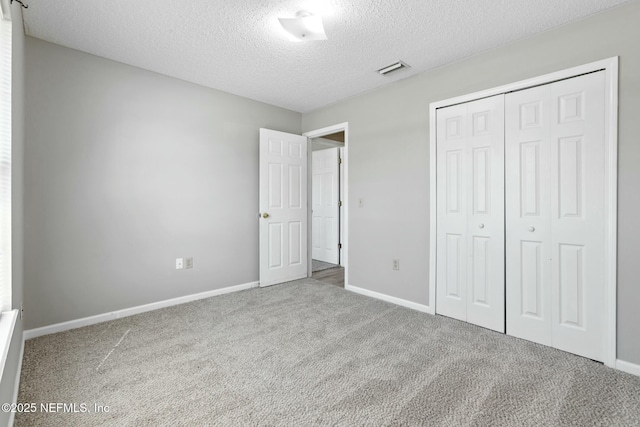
393	67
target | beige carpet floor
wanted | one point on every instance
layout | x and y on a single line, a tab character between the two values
306	354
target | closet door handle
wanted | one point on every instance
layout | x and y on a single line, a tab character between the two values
532	229
481	226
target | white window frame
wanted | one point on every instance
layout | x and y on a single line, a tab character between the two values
8	318
5	155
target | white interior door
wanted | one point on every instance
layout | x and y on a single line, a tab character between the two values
325	207
452	177
528	198
470	212
555	214
485	198
283	207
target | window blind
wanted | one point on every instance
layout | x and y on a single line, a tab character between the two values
5	165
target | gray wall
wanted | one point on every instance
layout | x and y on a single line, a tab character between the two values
126	170
389	155
17	162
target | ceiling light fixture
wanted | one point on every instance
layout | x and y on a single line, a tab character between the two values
304	26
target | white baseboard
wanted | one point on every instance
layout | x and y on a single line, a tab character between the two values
92	320
399	301
629	368
16	385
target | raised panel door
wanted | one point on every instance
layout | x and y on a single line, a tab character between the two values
527	210
555	200
577	214
470	222
451	244
325	209
283	207
485	218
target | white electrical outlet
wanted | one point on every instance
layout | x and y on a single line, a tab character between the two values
396	264
188	262
179	263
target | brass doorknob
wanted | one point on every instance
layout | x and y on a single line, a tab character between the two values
265	215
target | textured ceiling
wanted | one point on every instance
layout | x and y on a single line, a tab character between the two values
239	47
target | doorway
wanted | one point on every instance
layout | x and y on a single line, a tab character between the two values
328	210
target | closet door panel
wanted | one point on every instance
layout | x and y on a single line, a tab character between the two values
577	213
485	274
452	177
470	197
555	200
527	208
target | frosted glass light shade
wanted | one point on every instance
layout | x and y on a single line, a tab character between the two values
304	26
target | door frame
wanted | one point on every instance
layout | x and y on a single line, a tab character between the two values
610	68
344	257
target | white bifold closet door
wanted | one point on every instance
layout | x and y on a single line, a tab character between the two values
470	212
555	195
